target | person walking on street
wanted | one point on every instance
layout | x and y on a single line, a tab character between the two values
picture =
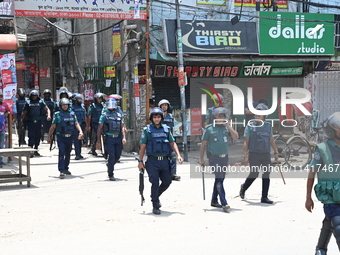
79	109
32	110
64	122
46	125
169	121
111	124
4	111
324	164
216	137
157	141
94	113
258	138
20	103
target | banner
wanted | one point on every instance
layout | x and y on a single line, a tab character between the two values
255	69
116	43
264	3
212	37
287	33
92	9
212	2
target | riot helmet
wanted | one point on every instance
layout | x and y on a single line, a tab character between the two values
34	92
115	96
64	101
98	95
21	92
262	107
220	110
156	111
63	93
330	124
111	103
47	91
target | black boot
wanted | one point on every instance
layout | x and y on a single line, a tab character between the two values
325	236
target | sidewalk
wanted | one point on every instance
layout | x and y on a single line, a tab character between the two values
85	213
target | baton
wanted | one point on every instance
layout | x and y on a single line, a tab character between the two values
280	170
102	144
203	182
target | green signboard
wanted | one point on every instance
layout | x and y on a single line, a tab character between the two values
287	33
257	69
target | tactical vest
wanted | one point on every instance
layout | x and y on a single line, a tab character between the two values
328	188
66	126
20	105
112	122
97	111
79	110
169	120
34	108
158	144
49	104
259	141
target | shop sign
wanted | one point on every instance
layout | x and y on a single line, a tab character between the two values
287	33
109	72
328	66
197	71
45	73
264	3
250	69
212	37
21	66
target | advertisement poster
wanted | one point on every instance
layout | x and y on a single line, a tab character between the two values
88	94
8	79
9	92
116	43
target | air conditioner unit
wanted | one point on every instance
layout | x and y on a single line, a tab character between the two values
62	38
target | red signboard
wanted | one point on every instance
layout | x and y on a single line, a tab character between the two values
196	121
6	76
33	68
44	73
21	65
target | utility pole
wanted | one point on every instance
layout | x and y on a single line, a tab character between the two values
147	61
181	82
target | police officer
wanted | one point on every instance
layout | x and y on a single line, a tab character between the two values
157	142
325	163
32	110
20	103
218	102
94	113
258	138
46	125
63	93
216	137
111	124
169	121
79	109
64	121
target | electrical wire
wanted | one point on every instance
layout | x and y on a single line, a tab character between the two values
80	34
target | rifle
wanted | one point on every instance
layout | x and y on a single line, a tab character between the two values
52	141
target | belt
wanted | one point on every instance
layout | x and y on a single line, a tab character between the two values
220	156
111	135
65	135
158	158
34	121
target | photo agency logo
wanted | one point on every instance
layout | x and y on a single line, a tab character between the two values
238	100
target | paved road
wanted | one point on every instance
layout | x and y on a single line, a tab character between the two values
88	214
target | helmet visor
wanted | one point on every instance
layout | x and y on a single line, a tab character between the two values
334	121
